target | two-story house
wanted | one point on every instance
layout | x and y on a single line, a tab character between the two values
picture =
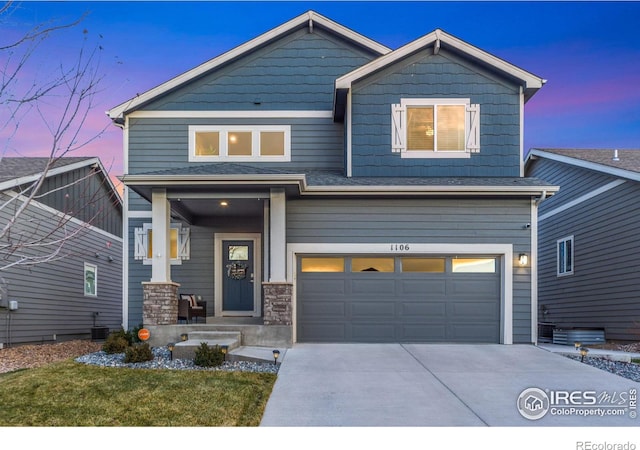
336	190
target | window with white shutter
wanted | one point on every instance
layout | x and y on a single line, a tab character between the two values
180	243
435	128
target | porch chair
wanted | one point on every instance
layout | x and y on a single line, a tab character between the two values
191	306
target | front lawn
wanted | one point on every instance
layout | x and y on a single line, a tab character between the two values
70	394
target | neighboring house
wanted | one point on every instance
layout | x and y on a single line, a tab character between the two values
588	240
336	189
79	285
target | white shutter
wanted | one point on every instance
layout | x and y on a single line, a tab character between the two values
140	243
398	131
184	244
473	138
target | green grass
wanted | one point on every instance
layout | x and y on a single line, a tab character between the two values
70	394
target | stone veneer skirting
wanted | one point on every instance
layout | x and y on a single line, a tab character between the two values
277	303
160	303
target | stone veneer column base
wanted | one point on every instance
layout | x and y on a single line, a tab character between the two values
277	303
160	303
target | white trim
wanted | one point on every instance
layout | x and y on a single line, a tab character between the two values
284	114
219	269
582	199
349	138
533	264
278	235
415	154
225	130
125	259
241	50
66	217
521	131
95	280
161	238
531	81
505	251
621	173
139	214
564	240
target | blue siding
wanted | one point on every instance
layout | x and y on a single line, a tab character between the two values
161	144
435	76
423	221
296	72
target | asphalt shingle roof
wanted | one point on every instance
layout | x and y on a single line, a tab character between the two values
17	167
628	159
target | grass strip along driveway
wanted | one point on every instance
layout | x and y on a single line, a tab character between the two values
70	394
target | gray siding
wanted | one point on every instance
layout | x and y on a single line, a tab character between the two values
161	144
435	76
423	221
603	291
51	295
85	196
296	72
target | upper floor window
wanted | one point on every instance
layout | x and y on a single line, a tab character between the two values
565	256
240	143
435	128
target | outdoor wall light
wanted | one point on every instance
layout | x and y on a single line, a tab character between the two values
171	346
276	354
184	336
523	258
577	345
583	353
224	349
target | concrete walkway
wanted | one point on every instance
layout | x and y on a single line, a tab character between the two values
435	385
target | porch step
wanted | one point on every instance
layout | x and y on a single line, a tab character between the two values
256	354
187	349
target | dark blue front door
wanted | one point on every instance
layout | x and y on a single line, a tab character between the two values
237	280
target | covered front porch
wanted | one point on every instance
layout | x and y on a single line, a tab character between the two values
226	245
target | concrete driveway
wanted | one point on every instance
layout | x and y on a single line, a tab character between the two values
444	385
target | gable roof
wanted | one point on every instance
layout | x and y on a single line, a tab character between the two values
16	171
308	19
626	165
439	39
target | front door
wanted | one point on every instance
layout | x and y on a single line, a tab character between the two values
238	276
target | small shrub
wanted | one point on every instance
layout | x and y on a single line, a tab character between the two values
138	353
133	335
115	343
208	356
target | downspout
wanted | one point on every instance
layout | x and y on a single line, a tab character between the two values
534	265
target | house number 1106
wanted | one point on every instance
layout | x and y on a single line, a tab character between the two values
399	247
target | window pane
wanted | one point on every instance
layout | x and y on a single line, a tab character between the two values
420	128
208	144
372	265
474	265
239	143
561	258
451	127
433	265
272	143
173	234
569	264
322	264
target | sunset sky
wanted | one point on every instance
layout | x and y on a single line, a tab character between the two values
588	51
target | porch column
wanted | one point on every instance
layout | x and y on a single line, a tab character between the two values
277	292
160	295
161	240
278	236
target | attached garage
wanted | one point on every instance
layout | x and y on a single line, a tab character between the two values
387	298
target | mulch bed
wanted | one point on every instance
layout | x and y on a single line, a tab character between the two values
29	356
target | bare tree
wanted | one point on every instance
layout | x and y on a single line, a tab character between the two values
60	100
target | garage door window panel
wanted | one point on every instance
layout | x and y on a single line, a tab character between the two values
473	265
322	265
423	265
373	264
